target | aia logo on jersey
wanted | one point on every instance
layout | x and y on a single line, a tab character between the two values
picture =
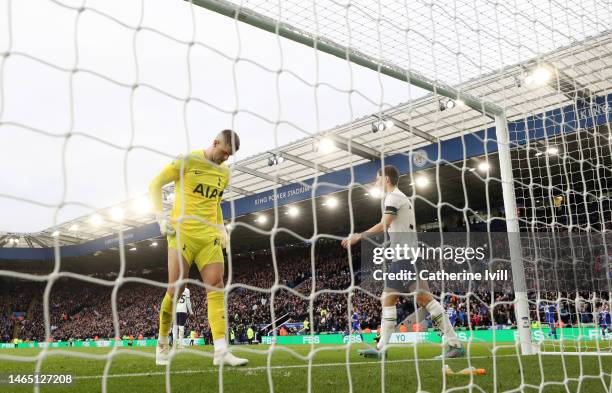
208	192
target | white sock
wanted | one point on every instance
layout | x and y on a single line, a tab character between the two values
174	333
162	340
441	322
181	334
387	325
220	345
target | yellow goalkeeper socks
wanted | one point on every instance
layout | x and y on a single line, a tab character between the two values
165	315
216	314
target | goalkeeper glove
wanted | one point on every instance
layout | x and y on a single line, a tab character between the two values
165	226
224	237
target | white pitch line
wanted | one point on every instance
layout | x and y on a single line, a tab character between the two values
586	353
261	368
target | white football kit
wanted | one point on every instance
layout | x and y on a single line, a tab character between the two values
184	303
398	204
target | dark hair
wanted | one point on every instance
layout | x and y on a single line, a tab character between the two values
391	172
231	138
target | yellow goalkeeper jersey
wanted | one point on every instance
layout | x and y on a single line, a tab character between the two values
198	190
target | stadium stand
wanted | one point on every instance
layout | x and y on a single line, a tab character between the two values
80	310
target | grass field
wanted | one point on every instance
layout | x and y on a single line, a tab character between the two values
334	369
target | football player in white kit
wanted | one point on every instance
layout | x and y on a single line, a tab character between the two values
183	308
399	218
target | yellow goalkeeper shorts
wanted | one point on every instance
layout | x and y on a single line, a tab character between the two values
202	251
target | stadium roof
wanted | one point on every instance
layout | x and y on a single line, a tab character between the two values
579	71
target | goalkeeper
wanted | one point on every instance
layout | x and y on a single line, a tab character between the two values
195	227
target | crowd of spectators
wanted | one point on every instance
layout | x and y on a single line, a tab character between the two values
6	323
289	288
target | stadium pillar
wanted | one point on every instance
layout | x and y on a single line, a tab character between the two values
521	306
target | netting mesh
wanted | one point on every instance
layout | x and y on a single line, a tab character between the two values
448	42
567	184
208	72
564	195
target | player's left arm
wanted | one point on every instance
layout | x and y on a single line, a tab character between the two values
220	222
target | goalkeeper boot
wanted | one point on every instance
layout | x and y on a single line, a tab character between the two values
228	359
452	352
370	353
162	353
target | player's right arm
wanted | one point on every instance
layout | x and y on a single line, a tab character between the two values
384	223
170	173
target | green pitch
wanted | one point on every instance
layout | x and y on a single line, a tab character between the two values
333	369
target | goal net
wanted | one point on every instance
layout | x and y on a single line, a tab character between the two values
496	115
564	202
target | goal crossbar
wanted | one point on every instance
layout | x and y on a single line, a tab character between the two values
326	45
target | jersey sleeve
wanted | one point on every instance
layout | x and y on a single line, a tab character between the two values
227	176
392	204
219	215
170	173
225	185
